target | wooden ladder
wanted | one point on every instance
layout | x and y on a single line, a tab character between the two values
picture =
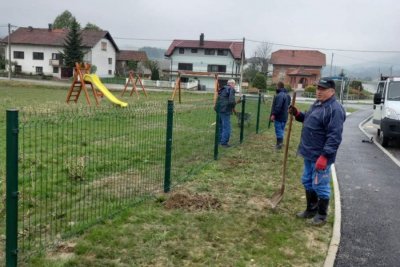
79	84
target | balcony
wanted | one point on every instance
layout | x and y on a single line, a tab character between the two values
54	62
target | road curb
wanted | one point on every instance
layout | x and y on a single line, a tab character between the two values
335	240
360	126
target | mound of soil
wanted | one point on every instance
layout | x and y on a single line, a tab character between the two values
192	202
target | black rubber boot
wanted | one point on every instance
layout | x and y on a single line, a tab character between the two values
312	206
279	143
320	218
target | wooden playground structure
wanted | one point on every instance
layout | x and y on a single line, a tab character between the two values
79	85
131	80
177	88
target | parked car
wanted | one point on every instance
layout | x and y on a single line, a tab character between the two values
387	109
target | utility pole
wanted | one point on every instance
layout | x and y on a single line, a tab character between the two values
330	74
9	51
241	68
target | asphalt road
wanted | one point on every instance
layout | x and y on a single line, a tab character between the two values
369	184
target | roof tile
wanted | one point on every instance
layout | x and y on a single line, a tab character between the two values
298	58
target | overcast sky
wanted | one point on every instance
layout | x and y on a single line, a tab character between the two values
340	24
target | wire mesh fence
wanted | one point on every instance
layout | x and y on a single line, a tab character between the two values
78	167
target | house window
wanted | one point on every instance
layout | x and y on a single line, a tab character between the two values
222	52
55	69
194	50
209	52
181	50
185	66
18	68
39	70
216	68
104	46
110	60
19	54
110	72
56	56
38	56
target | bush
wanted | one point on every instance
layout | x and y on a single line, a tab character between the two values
260	81
310	89
356	85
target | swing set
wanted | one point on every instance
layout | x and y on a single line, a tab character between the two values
131	80
177	88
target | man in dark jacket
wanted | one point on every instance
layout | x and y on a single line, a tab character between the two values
279	113
320	140
226	104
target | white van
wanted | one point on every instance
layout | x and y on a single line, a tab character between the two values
387	109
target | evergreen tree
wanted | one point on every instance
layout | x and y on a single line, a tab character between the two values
260	81
73	51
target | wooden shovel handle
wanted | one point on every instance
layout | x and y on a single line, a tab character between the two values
285	155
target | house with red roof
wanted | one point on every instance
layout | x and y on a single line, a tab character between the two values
38	51
298	68
126	56
208	57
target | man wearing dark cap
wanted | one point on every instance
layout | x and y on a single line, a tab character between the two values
320	140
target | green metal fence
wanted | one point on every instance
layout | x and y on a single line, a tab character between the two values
77	167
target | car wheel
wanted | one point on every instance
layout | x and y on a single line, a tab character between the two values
384	140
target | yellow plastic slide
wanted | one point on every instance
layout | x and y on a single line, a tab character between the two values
94	79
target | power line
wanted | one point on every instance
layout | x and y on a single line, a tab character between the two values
331	49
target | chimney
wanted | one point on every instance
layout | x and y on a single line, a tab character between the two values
30	28
50	27
202	39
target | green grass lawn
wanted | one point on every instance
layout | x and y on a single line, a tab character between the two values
232	225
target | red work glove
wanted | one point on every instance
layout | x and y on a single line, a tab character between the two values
294	111
272	118
321	163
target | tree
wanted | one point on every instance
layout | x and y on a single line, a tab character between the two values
132	65
64	21
154	68
73	51
2	62
260	81
262	57
92	26
250	73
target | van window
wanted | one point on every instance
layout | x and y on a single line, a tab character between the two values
394	91
379	90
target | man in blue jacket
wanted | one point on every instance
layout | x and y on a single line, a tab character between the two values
279	114
320	140
226	104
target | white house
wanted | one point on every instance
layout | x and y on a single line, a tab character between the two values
222	57
38	51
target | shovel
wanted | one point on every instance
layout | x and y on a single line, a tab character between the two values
278	195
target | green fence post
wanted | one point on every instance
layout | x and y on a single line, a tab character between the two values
217	137
242	118
12	188
258	113
168	146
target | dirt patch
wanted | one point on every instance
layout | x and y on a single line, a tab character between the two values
192	202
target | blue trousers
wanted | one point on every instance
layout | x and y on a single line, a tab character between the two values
224	127
279	129
316	180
